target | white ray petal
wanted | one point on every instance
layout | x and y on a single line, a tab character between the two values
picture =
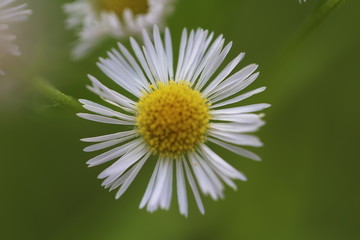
109	136
113	153
134	64
238	98
234	89
240	151
210	69
223	74
169	53
165	199
140	56
246	118
102	119
150	187
181	189
220	164
193	187
102	145
182	50
132	176
236	78
160	184
242	109
105	111
237	127
236	138
205	183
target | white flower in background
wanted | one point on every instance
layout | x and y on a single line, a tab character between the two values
301	1
9	14
97	19
172	115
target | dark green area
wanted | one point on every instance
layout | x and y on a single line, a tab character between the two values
306	187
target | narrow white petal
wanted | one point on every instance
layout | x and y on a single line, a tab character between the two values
104	92
181	53
238	98
169	53
242	109
193	187
236	138
198	56
234	89
236	78
109	136
132	176
124	162
181	189
237	150
246	118
150	187
205	183
160	184
160	52
107	144
220	164
133	63
167	191
152	58
237	127
215	184
102	119
105	111
210	69
140	56
223	74
214	49
113	153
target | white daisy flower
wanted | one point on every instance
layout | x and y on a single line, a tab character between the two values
97	19
172	115
9	14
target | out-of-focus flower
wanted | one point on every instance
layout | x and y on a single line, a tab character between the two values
173	114
9	14
97	19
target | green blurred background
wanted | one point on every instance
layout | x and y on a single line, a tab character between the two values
306	187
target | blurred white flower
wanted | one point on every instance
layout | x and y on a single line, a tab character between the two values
9	14
97	19
173	114
301	1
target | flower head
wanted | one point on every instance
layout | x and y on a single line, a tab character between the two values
97	19
173	114
10	14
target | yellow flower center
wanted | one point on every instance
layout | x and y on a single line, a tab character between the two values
173	118
118	6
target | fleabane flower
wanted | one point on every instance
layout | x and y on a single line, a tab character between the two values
9	14
95	20
171	115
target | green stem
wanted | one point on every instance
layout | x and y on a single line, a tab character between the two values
322	11
286	56
54	95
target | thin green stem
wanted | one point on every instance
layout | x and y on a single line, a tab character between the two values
322	11
293	46
49	91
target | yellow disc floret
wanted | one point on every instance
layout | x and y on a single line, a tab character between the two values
118	6
173	118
